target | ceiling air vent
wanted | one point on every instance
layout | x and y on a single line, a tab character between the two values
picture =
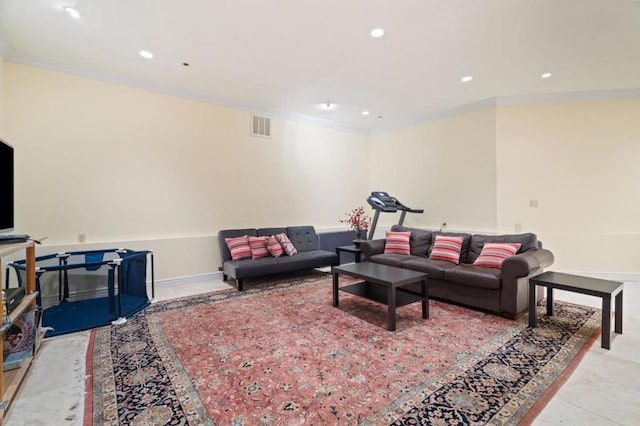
260	126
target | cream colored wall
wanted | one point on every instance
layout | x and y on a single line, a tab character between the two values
447	167
579	160
130	167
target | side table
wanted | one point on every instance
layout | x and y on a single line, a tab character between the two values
605	289
349	249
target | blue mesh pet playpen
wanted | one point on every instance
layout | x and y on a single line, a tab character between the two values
85	289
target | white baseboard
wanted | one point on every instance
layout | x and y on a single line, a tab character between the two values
192	279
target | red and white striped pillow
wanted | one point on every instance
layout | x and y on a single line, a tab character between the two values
258	247
274	247
397	242
239	247
447	248
286	243
493	254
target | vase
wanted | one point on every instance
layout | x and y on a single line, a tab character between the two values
360	235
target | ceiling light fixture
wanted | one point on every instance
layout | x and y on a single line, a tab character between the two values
365	112
146	54
377	33
546	75
326	106
466	79
72	11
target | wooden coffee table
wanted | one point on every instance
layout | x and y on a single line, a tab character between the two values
382	284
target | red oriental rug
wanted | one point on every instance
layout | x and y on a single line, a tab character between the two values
282	354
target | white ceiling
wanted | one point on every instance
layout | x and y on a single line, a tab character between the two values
283	57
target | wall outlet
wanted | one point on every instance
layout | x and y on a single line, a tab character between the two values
517	227
82	238
533	203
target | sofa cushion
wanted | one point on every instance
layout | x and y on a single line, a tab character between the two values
397	243
474	276
447	248
247	268
258	246
396	260
466	238
527	242
304	238
493	254
420	239
434	268
286	244
239	247
274	246
267	232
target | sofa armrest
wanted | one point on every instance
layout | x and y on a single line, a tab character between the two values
527	263
515	273
371	247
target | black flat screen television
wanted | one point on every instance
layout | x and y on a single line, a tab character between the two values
6	187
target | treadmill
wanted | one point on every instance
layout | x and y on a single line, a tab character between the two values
383	202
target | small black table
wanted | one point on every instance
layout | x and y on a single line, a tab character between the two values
605	289
349	249
381	285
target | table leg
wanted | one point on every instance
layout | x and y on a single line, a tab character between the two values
618	326
549	301
532	304
425	299
335	289
391	297
357	256
606	322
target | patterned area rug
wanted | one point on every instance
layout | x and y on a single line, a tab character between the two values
282	354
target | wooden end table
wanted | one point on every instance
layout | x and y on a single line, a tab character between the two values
382	284
605	289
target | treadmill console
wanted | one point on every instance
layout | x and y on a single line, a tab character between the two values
382	201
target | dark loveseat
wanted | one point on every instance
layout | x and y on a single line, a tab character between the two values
502	290
304	239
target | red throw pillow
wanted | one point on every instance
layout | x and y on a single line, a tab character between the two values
258	247
447	248
493	254
239	247
274	246
286	243
397	243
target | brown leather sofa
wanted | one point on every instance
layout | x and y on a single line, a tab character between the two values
504	291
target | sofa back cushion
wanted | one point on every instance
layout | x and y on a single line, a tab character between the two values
225	254
304	238
420	239
267	232
527	242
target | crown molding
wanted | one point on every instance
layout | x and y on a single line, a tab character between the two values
6	51
138	84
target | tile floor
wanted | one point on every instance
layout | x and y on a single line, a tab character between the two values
603	390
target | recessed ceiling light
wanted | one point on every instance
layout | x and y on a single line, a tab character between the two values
72	11
146	54
466	79
546	75
326	106
365	112
377	33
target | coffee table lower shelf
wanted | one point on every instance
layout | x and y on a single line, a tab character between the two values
379	293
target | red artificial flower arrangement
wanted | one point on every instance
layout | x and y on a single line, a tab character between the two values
357	220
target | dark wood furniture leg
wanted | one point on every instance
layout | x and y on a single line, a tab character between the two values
425	299
606	322
618	308
391	295
240	284
335	289
549	301
532	304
